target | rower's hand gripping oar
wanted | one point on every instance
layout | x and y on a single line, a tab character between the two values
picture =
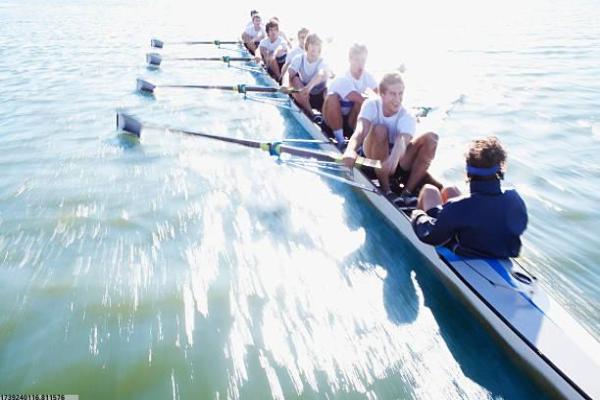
132	126
147	87
159	44
155	59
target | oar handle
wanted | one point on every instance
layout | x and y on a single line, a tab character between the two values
277	148
368	162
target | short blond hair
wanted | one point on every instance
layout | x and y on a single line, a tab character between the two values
357	49
312	38
389	79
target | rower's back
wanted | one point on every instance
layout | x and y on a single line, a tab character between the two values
487	223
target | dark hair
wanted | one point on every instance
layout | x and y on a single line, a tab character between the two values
271	25
252	13
487	153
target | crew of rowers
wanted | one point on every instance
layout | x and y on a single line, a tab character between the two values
371	114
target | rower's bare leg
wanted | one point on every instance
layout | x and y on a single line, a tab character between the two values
353	116
302	99
428	178
429	197
449	193
376	146
251	47
274	65
332	112
418	158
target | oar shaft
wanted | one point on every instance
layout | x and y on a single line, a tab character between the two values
243	142
307	153
224	59
131	125
235	88
147	87
157	43
215	42
216	87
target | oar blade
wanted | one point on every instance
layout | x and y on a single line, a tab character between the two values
145	86
153	59
157	43
129	124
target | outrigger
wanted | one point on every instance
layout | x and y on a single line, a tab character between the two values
502	292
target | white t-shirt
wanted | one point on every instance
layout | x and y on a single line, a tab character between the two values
307	70
254	33
401	122
344	85
293	53
272	46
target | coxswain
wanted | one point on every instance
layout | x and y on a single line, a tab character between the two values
486	223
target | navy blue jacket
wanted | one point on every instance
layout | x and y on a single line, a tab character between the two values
487	223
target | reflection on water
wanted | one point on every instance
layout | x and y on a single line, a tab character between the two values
175	267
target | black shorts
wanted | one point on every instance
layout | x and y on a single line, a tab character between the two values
317	100
400	176
348	130
248	48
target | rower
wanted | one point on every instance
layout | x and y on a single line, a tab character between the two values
282	33
253	34
302	33
486	223
272	51
385	131
346	95
308	72
252	14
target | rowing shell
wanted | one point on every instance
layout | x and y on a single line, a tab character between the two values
506	296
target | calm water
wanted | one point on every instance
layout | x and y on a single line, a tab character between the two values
181	268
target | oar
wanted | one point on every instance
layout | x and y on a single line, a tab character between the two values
159	43
147	87
131	125
155	59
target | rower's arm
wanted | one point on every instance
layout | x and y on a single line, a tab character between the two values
318	78
398	149
355	97
291	73
358	137
437	231
284	69
263	55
